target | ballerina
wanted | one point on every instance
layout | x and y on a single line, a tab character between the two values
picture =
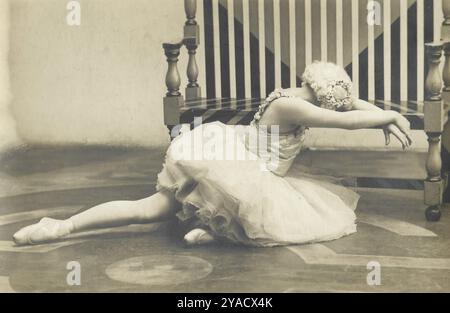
238	200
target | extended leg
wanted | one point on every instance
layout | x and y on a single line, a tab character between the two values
158	207
155	208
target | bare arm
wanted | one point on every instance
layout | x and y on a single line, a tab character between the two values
297	111
404	138
362	105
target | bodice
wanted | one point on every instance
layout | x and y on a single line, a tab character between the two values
277	150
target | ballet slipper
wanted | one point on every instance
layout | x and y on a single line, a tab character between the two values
46	230
198	236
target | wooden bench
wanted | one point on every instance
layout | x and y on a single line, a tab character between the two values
234	101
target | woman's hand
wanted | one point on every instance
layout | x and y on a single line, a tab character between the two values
397	124
402	124
389	129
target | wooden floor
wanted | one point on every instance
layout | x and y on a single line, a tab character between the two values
414	255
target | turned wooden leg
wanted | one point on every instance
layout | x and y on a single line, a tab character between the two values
173	100
433	120
445	146
445	157
434	183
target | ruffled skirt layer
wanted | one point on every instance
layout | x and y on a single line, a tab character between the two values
242	203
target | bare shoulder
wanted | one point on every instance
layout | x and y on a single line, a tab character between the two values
297	111
290	108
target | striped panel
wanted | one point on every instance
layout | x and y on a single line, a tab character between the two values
420	50
292	45
285	43
255	60
403	52
300	25
412	40
438	19
323	31
269	36
231	48
308	33
277	42
348	38
246	32
239	49
331	31
209	49
201	48
371	59
262	48
387	50
216	38
363	31
316	30
355	46
339	33
273	40
225	87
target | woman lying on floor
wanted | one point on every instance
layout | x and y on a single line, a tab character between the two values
238	200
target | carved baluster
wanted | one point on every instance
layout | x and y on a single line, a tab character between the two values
190	7
191	28
173	99
433	116
433	82
193	90
191	41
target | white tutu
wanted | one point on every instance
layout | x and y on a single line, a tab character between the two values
241	202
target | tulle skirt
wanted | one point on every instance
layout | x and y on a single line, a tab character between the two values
240	202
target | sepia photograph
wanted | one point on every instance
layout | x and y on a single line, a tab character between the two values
208	149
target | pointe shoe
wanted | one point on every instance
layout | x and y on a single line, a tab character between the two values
198	236
46	230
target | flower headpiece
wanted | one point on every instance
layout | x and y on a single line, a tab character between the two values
331	84
333	98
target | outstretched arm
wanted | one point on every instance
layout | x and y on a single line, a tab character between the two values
297	111
362	105
405	139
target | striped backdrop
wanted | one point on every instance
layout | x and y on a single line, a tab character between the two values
251	47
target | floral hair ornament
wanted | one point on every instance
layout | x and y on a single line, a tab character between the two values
338	95
330	83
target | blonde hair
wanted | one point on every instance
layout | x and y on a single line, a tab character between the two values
325	79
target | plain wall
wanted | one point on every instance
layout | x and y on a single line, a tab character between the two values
98	83
8	134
